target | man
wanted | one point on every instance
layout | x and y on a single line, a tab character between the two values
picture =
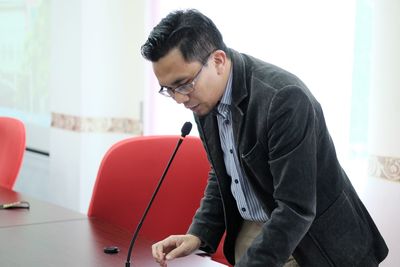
276	185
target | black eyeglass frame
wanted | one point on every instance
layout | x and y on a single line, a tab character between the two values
186	88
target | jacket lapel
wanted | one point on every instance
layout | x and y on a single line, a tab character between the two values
239	95
208	127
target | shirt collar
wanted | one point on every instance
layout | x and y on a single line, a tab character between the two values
226	99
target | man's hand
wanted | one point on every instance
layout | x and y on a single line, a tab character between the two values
173	247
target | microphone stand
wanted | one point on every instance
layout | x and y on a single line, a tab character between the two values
185	131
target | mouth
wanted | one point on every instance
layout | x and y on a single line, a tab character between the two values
192	108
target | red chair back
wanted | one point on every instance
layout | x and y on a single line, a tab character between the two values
12	148
129	174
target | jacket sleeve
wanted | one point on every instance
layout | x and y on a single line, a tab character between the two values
208	223
292	147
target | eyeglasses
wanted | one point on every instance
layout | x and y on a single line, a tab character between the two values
186	88
183	89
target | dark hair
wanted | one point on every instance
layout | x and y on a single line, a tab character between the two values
194	34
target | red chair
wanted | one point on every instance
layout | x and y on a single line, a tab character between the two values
219	253
129	173
12	148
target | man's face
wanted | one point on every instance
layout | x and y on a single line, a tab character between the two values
173	71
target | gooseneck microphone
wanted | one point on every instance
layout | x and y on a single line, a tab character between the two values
186	128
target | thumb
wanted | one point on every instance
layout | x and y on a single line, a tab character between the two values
185	245
175	253
184	249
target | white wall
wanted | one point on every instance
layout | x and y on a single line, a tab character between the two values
96	91
382	192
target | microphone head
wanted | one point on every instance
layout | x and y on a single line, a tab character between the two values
186	128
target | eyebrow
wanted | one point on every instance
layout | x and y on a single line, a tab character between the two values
175	83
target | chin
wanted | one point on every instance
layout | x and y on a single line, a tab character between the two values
201	113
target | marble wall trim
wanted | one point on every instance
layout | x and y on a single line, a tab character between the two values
96	124
384	167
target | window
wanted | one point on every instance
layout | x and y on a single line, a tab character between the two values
24	67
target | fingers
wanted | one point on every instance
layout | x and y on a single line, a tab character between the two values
160	249
158	253
173	247
185	245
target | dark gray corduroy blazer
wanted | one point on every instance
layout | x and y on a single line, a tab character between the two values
286	151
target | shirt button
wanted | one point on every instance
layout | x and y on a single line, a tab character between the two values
236	181
243	209
231	150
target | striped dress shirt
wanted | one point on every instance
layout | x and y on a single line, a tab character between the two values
248	205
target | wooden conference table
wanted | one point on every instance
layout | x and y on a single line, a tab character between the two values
50	235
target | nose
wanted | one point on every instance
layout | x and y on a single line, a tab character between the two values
181	98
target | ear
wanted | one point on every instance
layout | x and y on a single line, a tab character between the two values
220	61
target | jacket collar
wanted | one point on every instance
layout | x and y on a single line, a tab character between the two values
239	86
208	124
